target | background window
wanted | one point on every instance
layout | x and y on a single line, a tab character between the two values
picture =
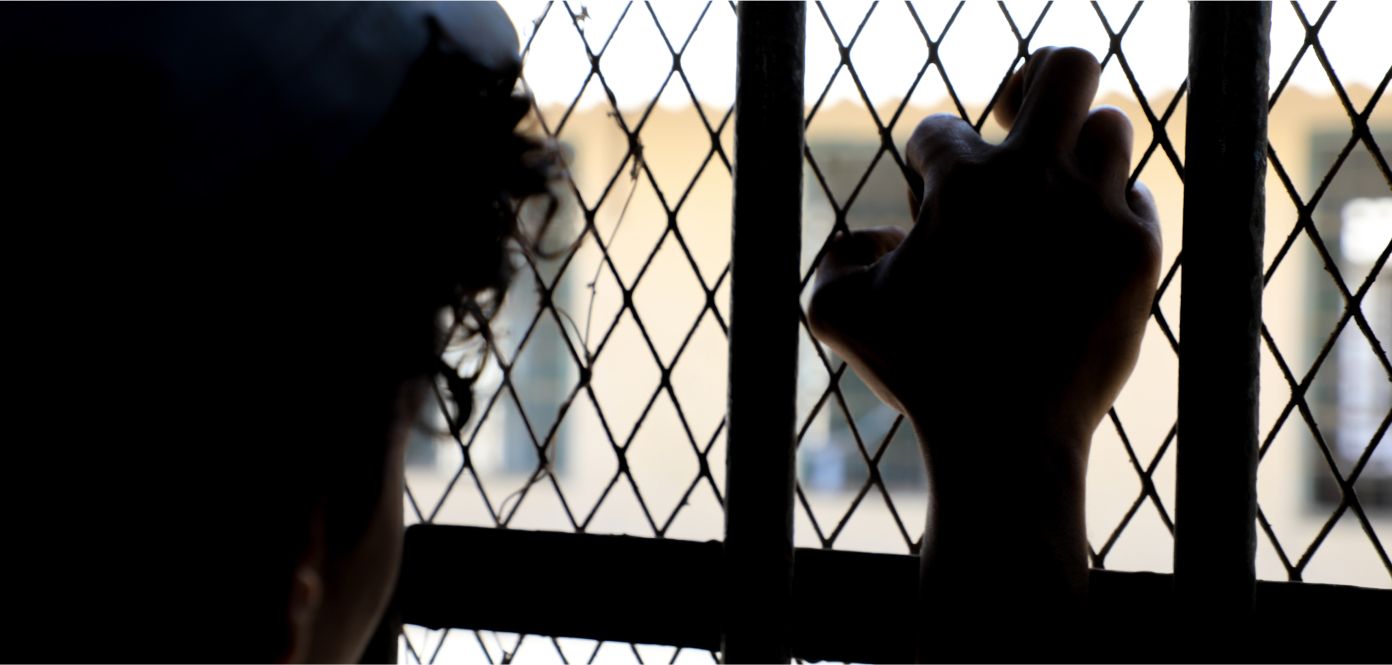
1351	396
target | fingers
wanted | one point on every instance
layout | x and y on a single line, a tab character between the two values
939	136
1104	149
1054	91
855	252
843	286
1008	106
938	142
1142	203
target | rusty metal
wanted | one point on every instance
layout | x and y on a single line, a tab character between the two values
1220	312
759	476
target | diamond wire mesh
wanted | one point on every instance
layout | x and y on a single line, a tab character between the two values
1352	299
429	646
585	355
583	358
872	452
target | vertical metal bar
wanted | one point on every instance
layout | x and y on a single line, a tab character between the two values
764	289
1220	311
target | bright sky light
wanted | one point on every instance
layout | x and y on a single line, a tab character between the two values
890	50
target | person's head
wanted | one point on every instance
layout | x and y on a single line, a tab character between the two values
423	213
280	284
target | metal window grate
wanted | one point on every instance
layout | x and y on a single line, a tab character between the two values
503	648
583	352
600	202
1295	561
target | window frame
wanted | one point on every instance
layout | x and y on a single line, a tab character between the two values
810	603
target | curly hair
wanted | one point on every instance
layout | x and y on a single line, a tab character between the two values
420	221
259	331
448	174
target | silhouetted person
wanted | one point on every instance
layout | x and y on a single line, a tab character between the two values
247	219
240	224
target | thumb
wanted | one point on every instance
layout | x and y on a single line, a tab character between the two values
842	281
857	251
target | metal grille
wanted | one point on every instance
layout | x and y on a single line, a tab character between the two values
428	646
602	334
873	443
1294	552
608	338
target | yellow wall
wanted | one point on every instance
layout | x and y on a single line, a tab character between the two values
669	299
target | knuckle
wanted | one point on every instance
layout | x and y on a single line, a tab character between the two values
1074	57
936	122
1111	115
930	133
1108	130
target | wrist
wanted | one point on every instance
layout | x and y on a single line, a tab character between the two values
981	461
1006	513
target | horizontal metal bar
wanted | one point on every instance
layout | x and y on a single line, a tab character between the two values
617	588
848	606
